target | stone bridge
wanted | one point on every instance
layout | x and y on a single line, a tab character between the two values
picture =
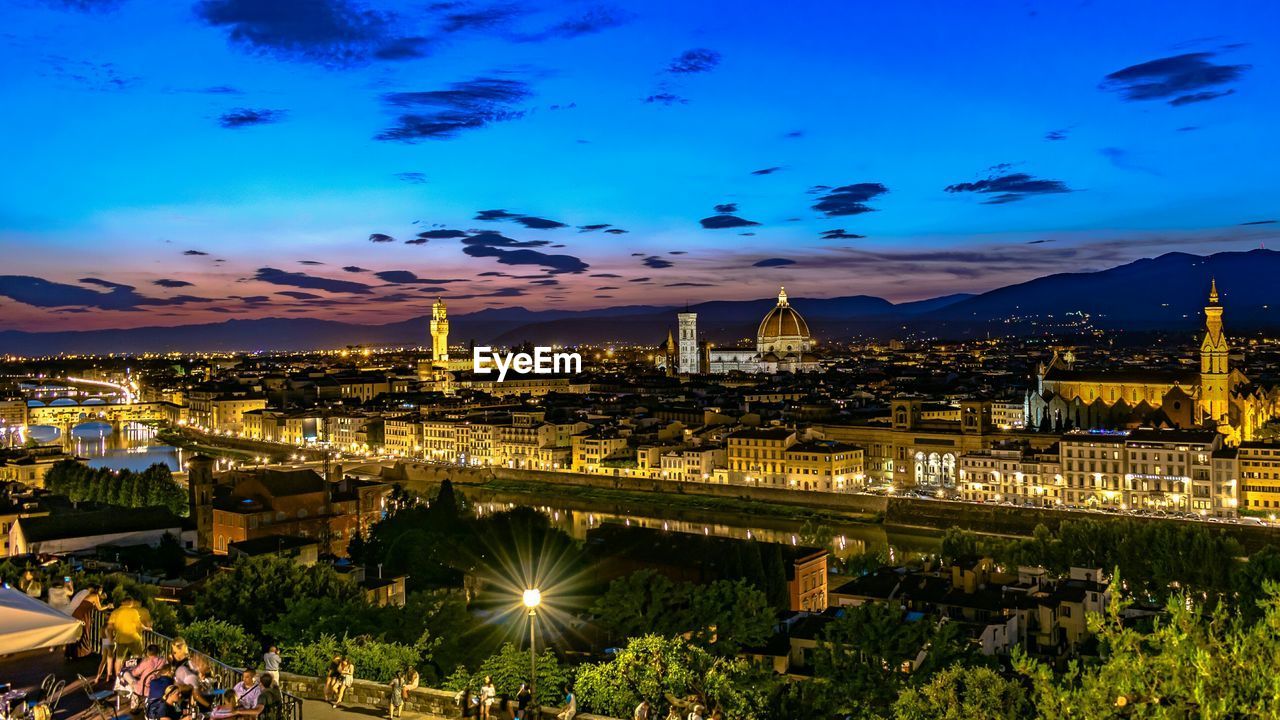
67	416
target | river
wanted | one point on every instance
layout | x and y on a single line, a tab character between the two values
846	540
133	448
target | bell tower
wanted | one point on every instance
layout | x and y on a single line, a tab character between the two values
439	333
1215	374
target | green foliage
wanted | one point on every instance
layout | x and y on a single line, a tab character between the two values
669	669
153	487
509	667
865	658
1193	663
723	616
257	591
1153	556
373	660
963	693
119	587
222	640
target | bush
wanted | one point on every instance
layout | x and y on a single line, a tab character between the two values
509	667
374	660
224	641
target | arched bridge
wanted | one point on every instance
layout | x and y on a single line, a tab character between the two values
67	416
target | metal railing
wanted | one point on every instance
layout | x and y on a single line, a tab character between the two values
222	674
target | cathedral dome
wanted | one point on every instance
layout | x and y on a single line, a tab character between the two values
782	321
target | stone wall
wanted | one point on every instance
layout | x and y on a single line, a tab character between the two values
895	511
428	701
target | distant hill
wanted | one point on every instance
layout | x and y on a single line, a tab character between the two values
1166	292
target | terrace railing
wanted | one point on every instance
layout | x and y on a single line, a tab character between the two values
222	674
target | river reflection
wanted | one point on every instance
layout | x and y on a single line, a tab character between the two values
134	447
846	540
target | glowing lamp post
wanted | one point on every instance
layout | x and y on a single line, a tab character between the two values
532	599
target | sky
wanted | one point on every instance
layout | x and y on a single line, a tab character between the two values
194	161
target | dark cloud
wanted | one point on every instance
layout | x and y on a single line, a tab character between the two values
442	234
592	228
404	277
604	275
657	263
639	280
166	283
1259	222
794	134
592	20
487	18
310	282
298	295
697	60
310	262
720	222
847	199
245	117
689	284
39	292
334	33
497	246
501	293
766	171
617	231
529	221
1009	188
413	178
677	252
403	48
726	208
380	238
1056	135
1178	80
251	299
773	262
86	5
840	234
354	269
437	114
221	90
1124	160
666	98
195	252
417	241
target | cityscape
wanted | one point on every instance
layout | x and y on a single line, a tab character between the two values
751	396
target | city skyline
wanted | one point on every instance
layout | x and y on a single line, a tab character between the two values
201	161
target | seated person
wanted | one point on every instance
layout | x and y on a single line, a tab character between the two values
165	696
226	707
248	691
136	677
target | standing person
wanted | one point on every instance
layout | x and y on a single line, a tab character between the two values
487	694
60	595
128	622
642	711
696	713
271	663
463	699
332	678
396	687
31	585
107	646
524	698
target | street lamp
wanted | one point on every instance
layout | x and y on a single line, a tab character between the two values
532	599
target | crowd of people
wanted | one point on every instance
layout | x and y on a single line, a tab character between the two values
175	683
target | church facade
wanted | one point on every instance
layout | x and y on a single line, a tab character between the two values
1214	395
783	344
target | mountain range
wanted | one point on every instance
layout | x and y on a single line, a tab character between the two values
1161	293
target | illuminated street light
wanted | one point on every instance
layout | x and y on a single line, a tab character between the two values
532	599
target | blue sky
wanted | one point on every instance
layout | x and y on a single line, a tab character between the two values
201	160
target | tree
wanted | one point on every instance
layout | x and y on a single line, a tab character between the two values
865	657
643	602
509	668
727	615
963	693
1195	662
222	640
258	590
663	670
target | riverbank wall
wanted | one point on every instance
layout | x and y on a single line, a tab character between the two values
900	512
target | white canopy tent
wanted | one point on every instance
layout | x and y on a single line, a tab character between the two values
28	624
